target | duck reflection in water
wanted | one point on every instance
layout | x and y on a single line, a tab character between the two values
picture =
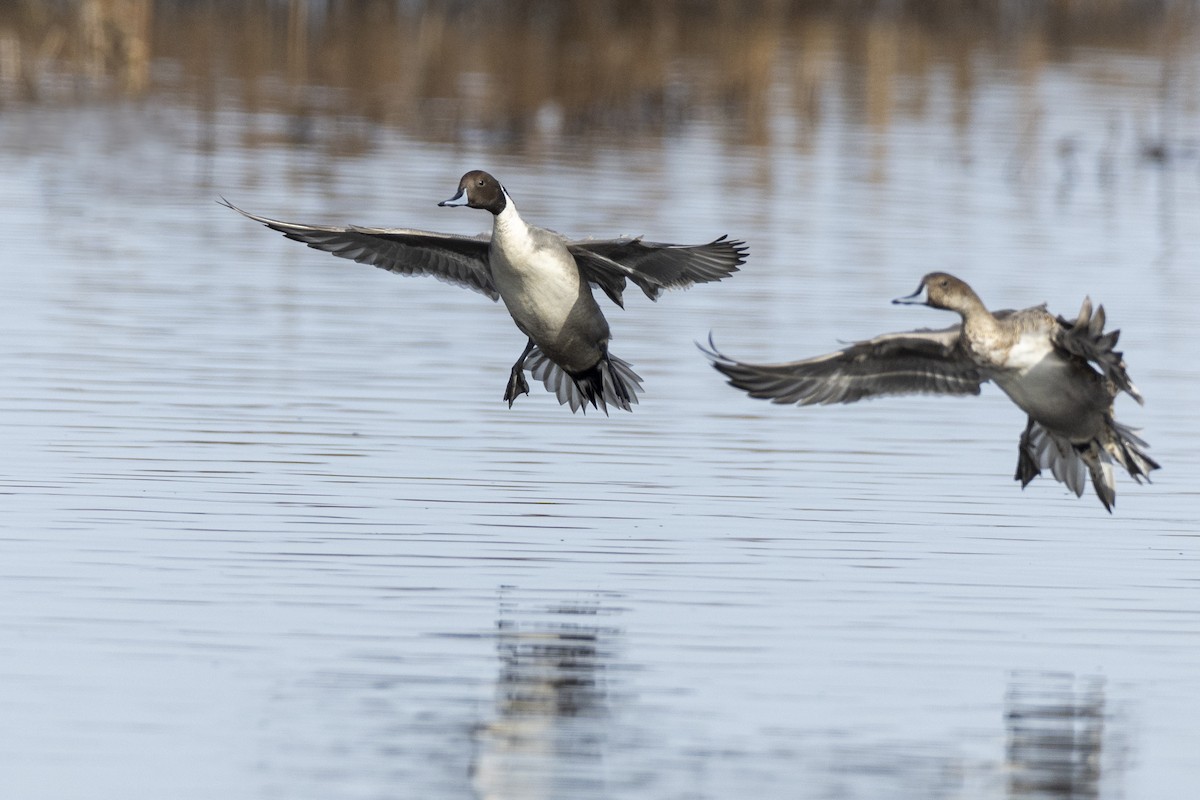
1056	735
548	738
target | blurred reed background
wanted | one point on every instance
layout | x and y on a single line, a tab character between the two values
520	71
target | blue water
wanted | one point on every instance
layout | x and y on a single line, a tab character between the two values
269	531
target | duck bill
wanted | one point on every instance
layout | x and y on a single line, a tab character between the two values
918	298
459	199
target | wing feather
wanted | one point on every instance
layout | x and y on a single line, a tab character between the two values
655	266
459	260
1084	337
912	362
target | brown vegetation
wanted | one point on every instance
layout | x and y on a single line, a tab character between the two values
444	69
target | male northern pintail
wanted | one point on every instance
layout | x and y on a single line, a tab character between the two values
544	280
1043	363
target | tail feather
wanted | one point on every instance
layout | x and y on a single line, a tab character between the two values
1103	479
1125	448
1072	463
611	381
1061	457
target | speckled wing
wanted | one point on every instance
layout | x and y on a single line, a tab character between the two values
913	362
655	266
460	260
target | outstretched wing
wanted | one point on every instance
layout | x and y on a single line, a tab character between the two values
655	266
460	260
1085	337
913	362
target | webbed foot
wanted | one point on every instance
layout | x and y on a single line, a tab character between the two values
517	385
1027	461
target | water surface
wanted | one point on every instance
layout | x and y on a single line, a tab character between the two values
269	531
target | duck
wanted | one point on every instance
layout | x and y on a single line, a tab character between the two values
1064	374
544	279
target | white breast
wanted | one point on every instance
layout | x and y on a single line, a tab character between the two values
1028	351
535	274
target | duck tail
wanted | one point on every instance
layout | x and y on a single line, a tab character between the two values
611	381
1073	463
1100	468
1125	447
1041	449
590	386
623	382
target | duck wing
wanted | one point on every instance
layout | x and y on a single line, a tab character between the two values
461	260
1085	338
655	266
912	362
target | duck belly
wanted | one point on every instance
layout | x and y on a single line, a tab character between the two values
555	307
1065	398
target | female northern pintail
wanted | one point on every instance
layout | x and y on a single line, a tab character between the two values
544	280
1043	363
